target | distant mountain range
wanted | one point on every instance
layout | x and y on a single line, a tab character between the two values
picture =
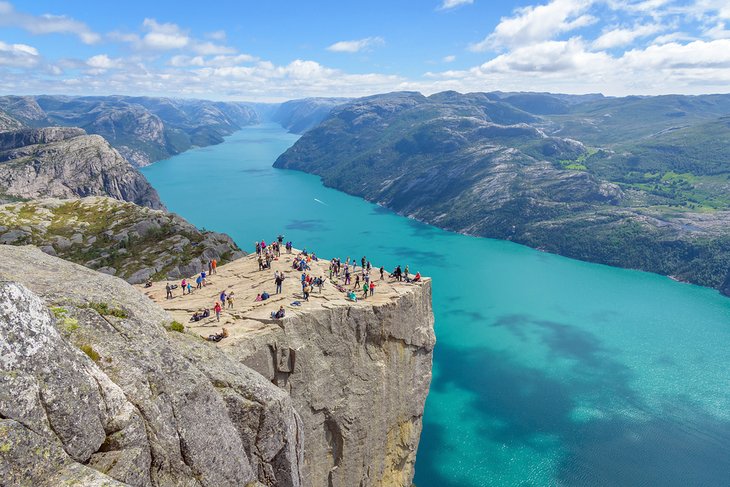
638	182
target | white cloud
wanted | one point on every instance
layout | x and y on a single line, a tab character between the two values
449	59
46	24
209	49
622	37
163	36
357	45
18	55
102	61
449	4
537	23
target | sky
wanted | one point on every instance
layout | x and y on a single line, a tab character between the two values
276	50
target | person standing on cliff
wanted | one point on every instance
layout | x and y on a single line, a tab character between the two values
223	297
183	285
168	288
214	266
279	280
382	272
217	309
230	299
372	288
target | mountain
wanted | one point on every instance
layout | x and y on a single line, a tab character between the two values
638	182
298	116
65	162
115	237
143	129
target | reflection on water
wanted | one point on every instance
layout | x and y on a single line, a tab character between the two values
547	371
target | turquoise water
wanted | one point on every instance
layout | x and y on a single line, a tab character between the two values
548	371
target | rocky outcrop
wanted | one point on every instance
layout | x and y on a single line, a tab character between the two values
96	391
16	139
358	372
115	237
362	417
64	163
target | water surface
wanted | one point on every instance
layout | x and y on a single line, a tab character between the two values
548	371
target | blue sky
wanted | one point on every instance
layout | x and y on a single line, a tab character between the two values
277	50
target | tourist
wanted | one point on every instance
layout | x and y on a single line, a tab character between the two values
214	266
372	288
357	281
210	267
190	287
203	280
306	290
405	273
216	337
382	272
223	298
168	288
183	285
217	309
279	314
365	289
198	282
230	300
258	297
279	280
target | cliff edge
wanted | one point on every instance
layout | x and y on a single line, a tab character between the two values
101	386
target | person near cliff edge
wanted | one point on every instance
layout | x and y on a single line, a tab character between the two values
279	280
184	285
213	266
168	288
217	309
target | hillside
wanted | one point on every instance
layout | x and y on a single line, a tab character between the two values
298	116
64	163
114	237
588	177
143	129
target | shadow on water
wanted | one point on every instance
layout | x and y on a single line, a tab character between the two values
409	254
519	405
307	225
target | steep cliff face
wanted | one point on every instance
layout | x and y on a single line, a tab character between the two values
115	237
358	373
96	391
359	378
65	163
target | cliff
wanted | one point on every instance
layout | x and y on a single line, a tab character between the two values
358	373
298	116
63	163
115	237
99	388
96	391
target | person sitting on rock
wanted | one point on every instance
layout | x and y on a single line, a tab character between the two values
216	337
278	314
258	297
148	283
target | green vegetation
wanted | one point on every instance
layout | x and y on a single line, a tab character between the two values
105	310
90	352
176	326
69	323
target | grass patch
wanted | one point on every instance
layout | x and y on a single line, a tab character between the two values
176	326
69	323
90	352
105	310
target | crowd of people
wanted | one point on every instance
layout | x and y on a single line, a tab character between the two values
346	276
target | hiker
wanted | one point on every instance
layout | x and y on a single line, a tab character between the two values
261	263
169	291
184	285
357	281
372	288
418	277
216	337
214	265
258	248
223	298
202	277
382	272
279	314
347	275
258	297
190	287
264	296
210	267
306	290
200	314
405	273
280	239
352	297
217	309
365	288
279	280
230	299
198	282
